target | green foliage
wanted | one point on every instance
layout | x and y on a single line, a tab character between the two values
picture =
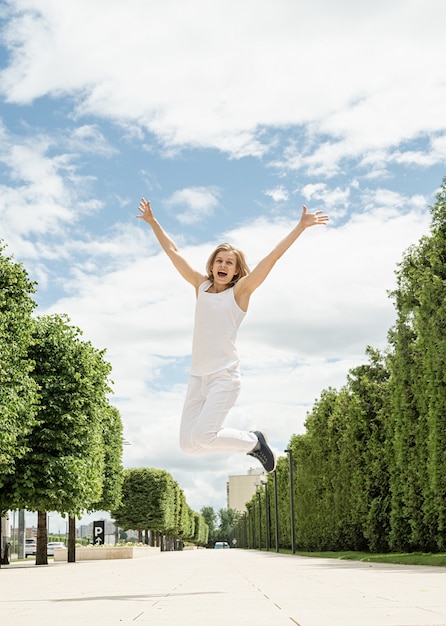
18	391
210	518
201	530
147	500
112	442
418	383
220	526
228	520
152	500
315	459
283	504
369	471
64	469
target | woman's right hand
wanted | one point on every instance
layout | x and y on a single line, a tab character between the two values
146	211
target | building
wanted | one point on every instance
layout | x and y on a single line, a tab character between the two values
240	489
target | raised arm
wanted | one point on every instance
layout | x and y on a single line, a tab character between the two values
246	285
187	272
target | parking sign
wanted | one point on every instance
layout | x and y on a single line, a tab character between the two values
98	532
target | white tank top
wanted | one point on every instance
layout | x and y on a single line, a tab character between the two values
217	320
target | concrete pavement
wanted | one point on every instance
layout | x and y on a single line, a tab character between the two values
221	587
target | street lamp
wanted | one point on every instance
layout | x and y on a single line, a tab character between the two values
253	524
293	530
276	511
260	518
267	515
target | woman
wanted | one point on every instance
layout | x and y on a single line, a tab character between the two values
223	296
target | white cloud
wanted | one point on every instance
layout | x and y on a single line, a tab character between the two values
241	67
335	200
198	203
435	153
358	94
310	322
36	203
278	194
89	138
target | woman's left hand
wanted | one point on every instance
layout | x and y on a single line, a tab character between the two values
313	219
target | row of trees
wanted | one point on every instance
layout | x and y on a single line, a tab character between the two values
154	504
221	524
369	472
60	438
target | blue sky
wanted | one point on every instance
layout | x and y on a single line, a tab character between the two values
228	116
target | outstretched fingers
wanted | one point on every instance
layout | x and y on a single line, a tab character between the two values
320	218
144	208
312	219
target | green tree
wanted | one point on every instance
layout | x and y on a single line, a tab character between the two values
111	430
18	391
148	501
112	441
64	471
369	414
340	465
210	518
283	505
418	391
228	521
314	458
201	530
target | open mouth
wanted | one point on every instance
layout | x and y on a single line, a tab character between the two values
222	274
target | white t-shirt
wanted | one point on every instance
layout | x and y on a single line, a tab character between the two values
217	320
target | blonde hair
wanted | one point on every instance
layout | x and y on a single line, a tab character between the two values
241	265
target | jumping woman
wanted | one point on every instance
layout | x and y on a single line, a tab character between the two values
223	295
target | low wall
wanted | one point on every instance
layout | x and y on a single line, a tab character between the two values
92	553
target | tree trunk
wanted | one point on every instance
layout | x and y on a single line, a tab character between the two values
71	539
42	539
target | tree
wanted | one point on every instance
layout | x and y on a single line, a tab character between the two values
341	468
418	391
65	470
112	441
201	529
369	385
147	500
210	518
152	500
228	521
314	455
18	390
111	430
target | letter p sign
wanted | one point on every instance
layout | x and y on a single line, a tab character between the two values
98	532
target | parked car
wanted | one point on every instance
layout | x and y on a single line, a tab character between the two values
221	544
53	545
30	547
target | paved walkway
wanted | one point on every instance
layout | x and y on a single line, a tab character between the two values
222	587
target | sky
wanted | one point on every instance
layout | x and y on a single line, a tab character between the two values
228	116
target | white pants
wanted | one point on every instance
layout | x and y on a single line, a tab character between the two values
208	401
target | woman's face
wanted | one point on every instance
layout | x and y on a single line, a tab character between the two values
224	268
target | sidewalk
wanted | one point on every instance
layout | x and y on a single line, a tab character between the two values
222	587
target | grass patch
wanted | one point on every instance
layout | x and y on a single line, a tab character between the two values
398	558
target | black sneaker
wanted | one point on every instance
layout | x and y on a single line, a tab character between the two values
264	454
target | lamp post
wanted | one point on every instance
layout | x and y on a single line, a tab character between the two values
293	530
260	518
267	515
276	512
